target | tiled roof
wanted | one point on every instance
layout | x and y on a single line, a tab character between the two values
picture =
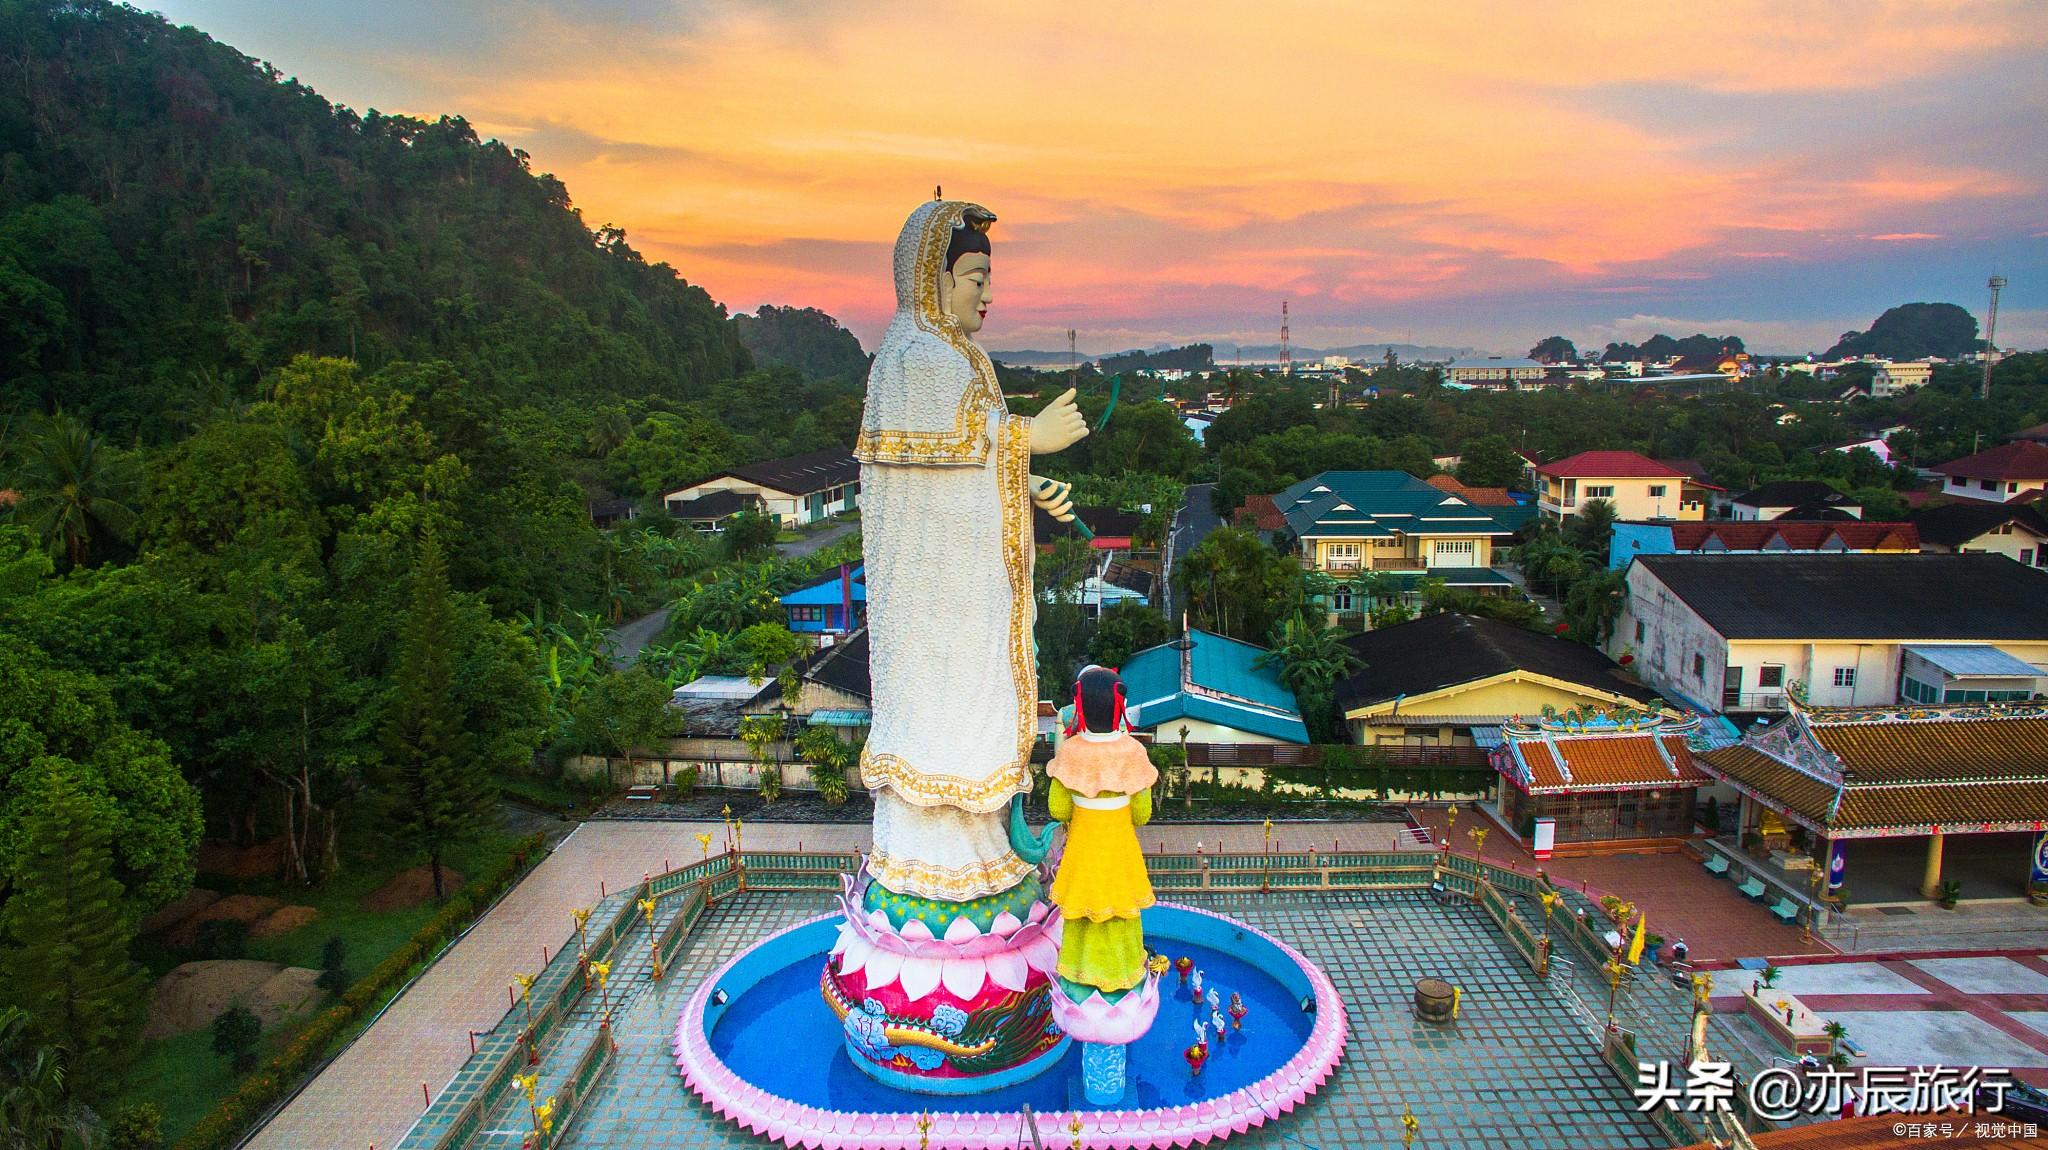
1609	465
1871	597
1438	651
1623	761
1957	523
1259	512
1692	469
2020	459
802	474
1795	535
1903	769
1790	493
2037	433
1483	496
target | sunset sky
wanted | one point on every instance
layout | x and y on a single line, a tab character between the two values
1478	172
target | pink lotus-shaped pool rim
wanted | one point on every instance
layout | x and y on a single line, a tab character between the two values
1097	1019
963	961
797	1125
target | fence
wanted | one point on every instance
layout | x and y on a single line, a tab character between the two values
457	1116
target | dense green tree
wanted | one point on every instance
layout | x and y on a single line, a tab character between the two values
1489	461
803	338
1592	528
1311	658
436	790
749	536
235	1031
71	488
624	713
1237	586
1554	349
67	928
1124	629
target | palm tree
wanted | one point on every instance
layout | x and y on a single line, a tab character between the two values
71	488
35	1109
608	429
1310	655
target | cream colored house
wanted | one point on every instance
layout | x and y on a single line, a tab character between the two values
1636	486
796	491
1737	632
1894	378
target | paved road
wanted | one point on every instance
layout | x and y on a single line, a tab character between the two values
1191	524
817	540
626	639
370	1094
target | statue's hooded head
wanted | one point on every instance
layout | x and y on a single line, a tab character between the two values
942	266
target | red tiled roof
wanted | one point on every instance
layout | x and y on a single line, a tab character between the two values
1479	496
1609	761
2020	459
1797	535
1259	512
2038	433
1610	465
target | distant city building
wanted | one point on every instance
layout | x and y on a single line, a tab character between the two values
1781	498
1895	378
1494	373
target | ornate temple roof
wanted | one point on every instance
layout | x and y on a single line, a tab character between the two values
1865	772
1601	751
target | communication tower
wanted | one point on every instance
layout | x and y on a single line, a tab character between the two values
1991	336
1286	353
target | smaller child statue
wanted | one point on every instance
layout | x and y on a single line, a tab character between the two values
1102	789
1237	1011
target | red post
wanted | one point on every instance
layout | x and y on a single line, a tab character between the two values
543	954
425	1099
472	1042
600	888
510	1001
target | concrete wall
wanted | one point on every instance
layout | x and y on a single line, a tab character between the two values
1168	734
1515	694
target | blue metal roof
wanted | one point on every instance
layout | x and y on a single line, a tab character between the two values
1975	661
1221	686
824	591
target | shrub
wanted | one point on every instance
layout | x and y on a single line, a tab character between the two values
136	1126
684	783
333	965
235	1032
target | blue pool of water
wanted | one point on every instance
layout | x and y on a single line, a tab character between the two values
777	1033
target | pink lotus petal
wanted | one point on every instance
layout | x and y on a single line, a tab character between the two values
963	976
883	967
920	976
1038	911
916	931
1006	924
1056	930
878	919
1043	954
1008	969
857	952
963	929
845	932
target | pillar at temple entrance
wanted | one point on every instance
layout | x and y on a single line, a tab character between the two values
1930	882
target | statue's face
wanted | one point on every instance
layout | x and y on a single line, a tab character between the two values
964	292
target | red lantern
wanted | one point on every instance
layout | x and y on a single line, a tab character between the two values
1561	628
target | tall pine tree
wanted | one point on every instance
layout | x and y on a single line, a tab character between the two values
437	791
66	931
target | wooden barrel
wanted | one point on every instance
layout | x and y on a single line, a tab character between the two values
1433	1000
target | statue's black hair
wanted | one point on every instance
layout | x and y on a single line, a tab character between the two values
967	239
1097	691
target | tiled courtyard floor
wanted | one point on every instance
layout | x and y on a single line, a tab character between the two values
370	1094
1979	1011
1677	894
1518	1069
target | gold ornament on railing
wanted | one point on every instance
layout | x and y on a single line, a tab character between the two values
704	840
1409	1126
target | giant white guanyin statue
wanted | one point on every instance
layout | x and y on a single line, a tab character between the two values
940	973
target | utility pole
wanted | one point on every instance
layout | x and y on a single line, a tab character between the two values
1286	353
1073	363
1991	336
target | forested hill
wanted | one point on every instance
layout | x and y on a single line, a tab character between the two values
177	219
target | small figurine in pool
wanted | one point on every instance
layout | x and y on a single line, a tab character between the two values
1102	789
1199	1052
1216	1022
1157	965
1215	1003
1185	966
1198	986
1237	1011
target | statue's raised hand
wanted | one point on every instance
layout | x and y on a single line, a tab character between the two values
1053	497
1058	427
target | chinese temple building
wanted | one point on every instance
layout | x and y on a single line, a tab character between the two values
1880	792
1599	776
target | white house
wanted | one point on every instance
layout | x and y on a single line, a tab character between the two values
2000	474
799	490
1736	632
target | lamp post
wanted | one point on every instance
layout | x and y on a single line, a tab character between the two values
1614	970
525	982
653	942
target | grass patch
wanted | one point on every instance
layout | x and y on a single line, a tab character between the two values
182	1074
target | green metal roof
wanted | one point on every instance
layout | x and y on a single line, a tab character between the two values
1374	504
